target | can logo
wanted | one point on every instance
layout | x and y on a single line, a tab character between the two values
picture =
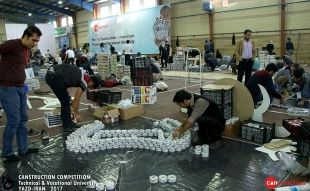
271	182
161	29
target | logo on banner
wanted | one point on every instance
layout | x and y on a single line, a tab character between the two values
161	29
96	28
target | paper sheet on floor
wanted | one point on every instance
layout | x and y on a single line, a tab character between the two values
272	153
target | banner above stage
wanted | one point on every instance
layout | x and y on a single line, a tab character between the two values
146	30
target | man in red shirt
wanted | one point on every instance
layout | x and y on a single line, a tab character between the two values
14	59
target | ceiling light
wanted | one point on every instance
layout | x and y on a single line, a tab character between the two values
59	2
66	8
29	14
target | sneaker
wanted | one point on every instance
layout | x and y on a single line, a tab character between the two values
33	133
11	157
68	129
30	151
44	134
217	144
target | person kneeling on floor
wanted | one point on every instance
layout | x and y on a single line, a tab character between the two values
284	76
264	78
205	113
61	78
302	79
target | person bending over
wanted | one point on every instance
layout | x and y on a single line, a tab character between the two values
284	76
302	80
264	78
205	112
61	78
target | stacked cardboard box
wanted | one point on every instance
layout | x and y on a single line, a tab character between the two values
113	63
144	94
103	64
42	74
33	84
53	118
265	59
178	60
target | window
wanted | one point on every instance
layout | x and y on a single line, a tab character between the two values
116	9
134	5
149	3
55	24
63	21
70	21
104	12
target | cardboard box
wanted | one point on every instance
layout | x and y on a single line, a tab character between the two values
143	90
144	99
107	114
128	113
232	129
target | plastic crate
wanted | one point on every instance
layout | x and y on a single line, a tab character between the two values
226	110
218	96
223	99
142	81
303	146
109	97
142	72
92	95
263	133
141	62
292	125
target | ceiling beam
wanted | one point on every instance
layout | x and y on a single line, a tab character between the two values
23	17
44	15
51	7
83	4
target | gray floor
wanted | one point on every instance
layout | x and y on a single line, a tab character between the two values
236	166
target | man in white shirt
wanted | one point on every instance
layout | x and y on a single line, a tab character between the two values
127	49
69	56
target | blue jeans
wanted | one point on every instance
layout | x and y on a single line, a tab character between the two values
259	97
300	89
14	103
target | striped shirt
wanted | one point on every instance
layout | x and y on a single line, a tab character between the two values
13	63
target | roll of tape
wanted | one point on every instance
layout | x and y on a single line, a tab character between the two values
153	179
172	178
163	178
100	186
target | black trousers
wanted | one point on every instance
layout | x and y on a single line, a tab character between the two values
71	61
245	66
127	58
164	57
209	128
58	86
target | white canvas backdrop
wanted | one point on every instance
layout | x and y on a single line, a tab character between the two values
14	31
47	40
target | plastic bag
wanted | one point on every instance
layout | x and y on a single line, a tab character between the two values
292	166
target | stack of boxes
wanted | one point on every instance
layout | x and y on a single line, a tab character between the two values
178	60
142	74
144	94
113	63
42	74
127	71
103	64
33	84
119	71
265	59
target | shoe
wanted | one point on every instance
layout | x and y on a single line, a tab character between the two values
73	125
11	157
217	144
44	134
33	133
30	151
68	129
